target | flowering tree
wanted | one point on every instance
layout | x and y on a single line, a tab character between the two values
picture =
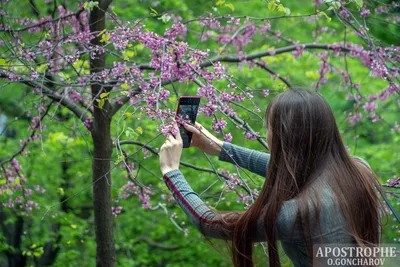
110	78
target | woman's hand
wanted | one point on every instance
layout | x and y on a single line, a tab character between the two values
170	152
204	140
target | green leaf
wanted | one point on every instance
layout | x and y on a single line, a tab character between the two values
359	3
153	12
100	33
326	16
64	77
61	191
41	68
129	132
165	18
139	129
105	38
101	103
3	62
104	95
231	6
125	86
336	4
220	2
271	6
127	54
90	5
286	11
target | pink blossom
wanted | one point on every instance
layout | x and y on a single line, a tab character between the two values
266	27
169	128
233	182
355	118
370	106
251	136
394	182
15	164
299	51
116	210
365	12
9	204
163	94
228	137
88	123
373	97
265	93
28	192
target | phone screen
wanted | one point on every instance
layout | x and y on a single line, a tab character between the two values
187	109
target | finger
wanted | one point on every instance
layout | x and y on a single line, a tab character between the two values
178	135
162	147
199	126
190	128
170	137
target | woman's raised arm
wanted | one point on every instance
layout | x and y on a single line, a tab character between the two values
253	160
208	221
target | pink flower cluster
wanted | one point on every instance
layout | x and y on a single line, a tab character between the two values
169	128
218	125
228	137
251	136
233	182
143	193
394	182
354	117
116	210
36	124
18	197
299	51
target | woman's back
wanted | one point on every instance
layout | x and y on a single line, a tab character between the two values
332	222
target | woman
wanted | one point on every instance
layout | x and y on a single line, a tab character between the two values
314	191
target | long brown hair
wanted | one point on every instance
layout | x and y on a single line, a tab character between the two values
305	145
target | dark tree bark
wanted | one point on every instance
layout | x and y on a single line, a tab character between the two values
101	176
12	233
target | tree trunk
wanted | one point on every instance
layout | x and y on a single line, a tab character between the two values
105	251
101	176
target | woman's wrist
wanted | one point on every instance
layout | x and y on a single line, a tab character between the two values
219	147
168	170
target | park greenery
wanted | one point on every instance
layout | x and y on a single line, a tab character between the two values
88	91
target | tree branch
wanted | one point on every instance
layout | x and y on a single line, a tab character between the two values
156	244
268	53
42	23
152	150
66	102
233	59
274	73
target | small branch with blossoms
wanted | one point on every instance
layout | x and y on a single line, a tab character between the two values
36	125
154	151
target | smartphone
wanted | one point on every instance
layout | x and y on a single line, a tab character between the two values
187	109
